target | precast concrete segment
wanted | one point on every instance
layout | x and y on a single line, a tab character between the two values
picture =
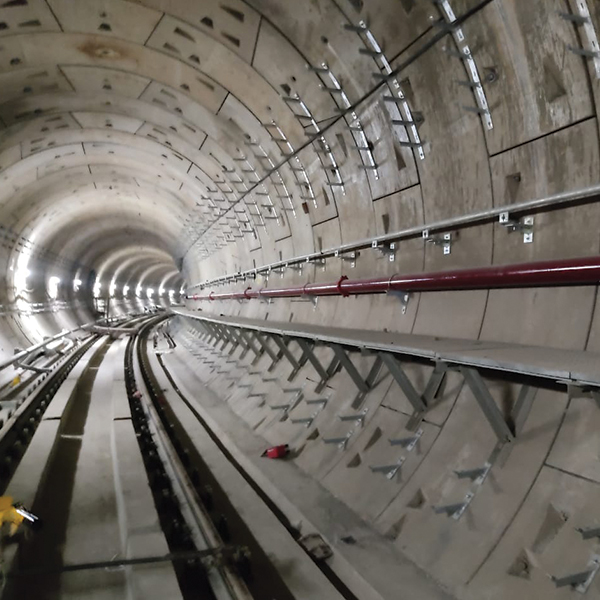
379	241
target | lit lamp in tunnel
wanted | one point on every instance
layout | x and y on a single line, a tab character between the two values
138	290
161	291
97	288
53	284
20	280
125	290
171	295
76	284
112	288
20	283
149	293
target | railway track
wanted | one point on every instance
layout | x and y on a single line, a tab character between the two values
246	571
122	471
18	430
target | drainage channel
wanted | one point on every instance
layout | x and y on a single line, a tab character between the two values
53	498
259	575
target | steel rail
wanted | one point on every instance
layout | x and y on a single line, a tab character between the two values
19	356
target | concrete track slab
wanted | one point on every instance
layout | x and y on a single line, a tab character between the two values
57	407
112	513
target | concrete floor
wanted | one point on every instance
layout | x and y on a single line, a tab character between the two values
84	476
150	145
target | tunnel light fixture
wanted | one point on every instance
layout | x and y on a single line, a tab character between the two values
76	284
138	290
97	288
161	290
20	281
125	290
53	284
149	292
112	288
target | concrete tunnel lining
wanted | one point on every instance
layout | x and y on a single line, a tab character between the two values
151	150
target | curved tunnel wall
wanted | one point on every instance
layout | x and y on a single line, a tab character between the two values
162	144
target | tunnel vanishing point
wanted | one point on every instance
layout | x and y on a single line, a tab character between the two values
299	299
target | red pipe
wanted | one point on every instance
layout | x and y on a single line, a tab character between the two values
576	271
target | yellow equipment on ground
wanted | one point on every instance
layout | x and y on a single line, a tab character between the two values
10	515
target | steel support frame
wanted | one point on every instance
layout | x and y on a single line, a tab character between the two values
405	384
246	336
347	363
488	405
506	428
282	343
264	344
309	355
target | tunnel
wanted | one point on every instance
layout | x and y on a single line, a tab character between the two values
299	299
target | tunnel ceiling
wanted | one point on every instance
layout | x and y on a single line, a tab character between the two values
132	127
192	134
